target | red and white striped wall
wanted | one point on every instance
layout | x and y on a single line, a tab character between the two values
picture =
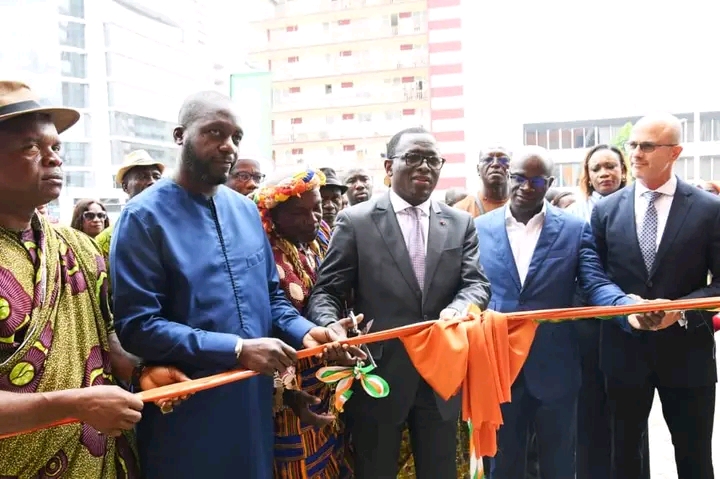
447	112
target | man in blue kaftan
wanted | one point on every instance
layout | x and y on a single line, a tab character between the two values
195	286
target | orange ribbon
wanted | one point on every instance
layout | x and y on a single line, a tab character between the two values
504	340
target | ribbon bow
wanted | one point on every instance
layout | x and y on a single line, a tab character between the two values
343	377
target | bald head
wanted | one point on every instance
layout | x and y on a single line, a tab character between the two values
667	127
197	105
538	155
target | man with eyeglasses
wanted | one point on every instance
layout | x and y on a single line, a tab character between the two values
138	172
535	256
492	168
658	238
407	259
246	176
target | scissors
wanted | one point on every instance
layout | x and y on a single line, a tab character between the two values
356	331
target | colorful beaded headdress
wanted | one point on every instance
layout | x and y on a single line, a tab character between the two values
268	197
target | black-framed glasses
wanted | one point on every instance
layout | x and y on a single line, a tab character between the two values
416	159
91	215
245	176
536	182
645	146
504	161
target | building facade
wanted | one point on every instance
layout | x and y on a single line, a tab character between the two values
126	65
348	74
569	141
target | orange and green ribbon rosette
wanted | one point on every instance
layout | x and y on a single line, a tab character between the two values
343	376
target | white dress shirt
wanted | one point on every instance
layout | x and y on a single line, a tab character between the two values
405	218
662	205
523	239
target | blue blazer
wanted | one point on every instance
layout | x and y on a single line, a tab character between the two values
564	258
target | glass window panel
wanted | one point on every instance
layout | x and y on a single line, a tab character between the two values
72	34
79	179
73	64
542	138
72	8
76	154
566	137
530	137
578	137
705	168
75	95
554	139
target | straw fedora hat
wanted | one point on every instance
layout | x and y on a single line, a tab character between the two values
16	99
136	158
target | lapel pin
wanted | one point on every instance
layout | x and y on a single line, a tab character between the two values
442	223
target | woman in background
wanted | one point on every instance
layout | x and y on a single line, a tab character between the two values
605	171
90	217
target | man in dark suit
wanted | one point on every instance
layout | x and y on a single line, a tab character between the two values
659	238
535	256
407	259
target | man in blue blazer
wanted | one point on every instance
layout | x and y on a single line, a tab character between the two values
535	256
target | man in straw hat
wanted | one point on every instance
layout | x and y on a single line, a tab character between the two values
56	333
137	173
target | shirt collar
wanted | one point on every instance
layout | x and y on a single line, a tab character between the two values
667	189
511	218
595	196
400	204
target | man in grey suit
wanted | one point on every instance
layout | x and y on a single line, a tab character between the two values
407	259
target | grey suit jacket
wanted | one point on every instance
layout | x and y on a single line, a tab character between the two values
368	257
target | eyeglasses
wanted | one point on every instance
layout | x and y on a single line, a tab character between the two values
536	182
244	176
416	159
90	216
645	146
503	160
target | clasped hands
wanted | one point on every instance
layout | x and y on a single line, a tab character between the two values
655	320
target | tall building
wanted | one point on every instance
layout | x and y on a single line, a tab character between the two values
348	74
125	64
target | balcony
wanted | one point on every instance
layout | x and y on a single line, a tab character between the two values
281	40
351	130
305	70
354	97
311	7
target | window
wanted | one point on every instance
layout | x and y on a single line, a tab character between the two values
72	34
554	138
72	8
76	154
75	95
684	167
135	126
83	128
73	64
530	137
566	174
706	168
167	155
79	179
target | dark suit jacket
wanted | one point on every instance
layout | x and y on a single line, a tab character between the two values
689	248
367	254
564	257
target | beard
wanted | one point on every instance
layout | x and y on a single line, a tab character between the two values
201	170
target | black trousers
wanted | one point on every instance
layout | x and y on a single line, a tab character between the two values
594	422
433	441
688	413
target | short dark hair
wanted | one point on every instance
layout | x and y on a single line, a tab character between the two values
392	144
197	104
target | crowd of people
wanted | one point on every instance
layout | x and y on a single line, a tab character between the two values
219	267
